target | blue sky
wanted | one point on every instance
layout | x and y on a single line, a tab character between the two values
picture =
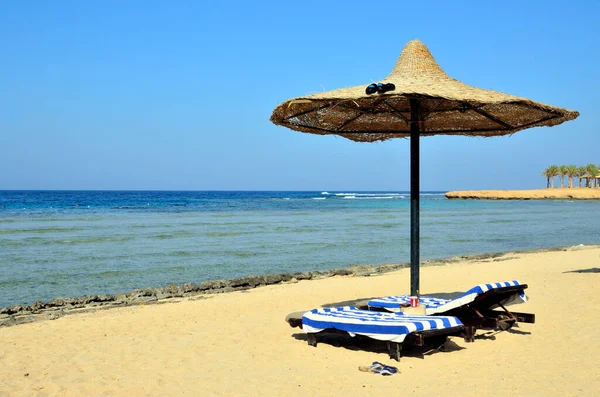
177	94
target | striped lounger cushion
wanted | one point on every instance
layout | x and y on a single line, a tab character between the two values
393	327
437	305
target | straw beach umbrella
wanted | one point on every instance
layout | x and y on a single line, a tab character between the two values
417	99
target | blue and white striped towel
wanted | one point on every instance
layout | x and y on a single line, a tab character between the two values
384	326
437	305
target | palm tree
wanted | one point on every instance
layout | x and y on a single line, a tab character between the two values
562	172
592	172
550	173
582	172
555	172
572	171
577	173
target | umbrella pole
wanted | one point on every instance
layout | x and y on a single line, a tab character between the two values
415	113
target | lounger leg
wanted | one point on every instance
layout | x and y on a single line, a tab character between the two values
395	350
525	317
312	339
470	333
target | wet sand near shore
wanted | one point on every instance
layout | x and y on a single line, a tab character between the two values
538	194
238	344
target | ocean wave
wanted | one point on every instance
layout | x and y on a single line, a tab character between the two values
379	198
319	198
352	197
41	230
325	193
88	240
369	194
35	241
178	234
296	229
227	234
506	220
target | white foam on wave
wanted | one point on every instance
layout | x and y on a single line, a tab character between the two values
319	198
349	196
325	193
370	194
376	198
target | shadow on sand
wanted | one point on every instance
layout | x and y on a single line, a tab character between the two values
590	270
362	302
364	343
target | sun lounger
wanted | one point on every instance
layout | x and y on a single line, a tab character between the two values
474	307
396	329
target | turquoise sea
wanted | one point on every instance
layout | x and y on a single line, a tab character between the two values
73	243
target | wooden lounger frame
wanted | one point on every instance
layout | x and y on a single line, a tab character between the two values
435	337
476	314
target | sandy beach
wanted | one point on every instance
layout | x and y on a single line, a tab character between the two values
238	344
535	194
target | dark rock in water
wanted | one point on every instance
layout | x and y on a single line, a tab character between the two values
341	272
255	281
144	292
301	276
361	271
89	299
171	290
270	279
214	285
37	306
242	282
15	309
106	298
120	298
317	275
188	288
74	302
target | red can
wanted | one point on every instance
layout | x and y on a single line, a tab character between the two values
414	301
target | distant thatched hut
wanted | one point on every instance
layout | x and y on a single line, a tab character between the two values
594	181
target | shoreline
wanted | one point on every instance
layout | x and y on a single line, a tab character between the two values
59	307
239	344
562	193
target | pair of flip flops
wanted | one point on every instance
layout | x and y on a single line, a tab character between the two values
379	368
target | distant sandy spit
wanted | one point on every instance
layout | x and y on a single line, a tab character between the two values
238	344
538	194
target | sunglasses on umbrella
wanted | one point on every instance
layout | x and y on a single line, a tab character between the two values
380	88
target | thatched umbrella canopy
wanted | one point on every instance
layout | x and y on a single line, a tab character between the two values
425	101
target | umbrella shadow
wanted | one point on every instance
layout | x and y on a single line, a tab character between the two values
491	335
444	295
361	303
370	345
590	270
514	330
